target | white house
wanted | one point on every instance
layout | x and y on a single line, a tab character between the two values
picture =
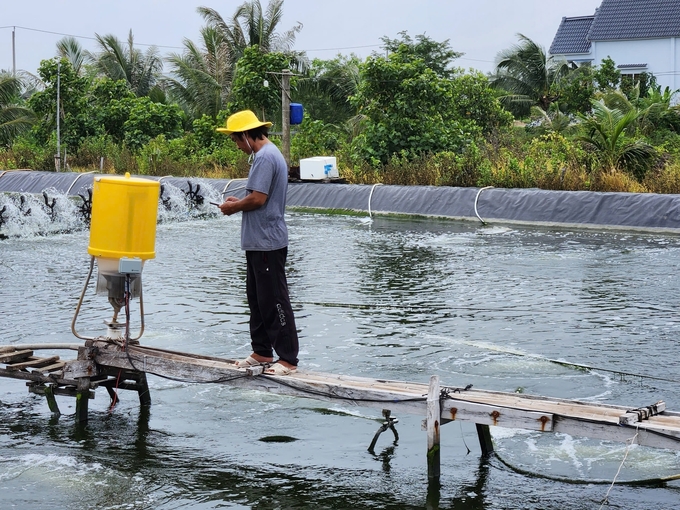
638	35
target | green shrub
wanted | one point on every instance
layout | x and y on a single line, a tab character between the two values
27	153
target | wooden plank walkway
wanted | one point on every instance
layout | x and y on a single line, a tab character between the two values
101	363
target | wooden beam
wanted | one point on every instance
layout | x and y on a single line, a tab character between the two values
51	401
32	362
13	356
82	400
433	418
483	414
485	441
100	360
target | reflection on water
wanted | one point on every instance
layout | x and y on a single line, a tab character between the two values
394	299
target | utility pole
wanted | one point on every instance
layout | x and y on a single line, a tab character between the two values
57	158
14	53
285	114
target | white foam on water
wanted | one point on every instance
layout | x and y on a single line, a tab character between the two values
28	215
64	467
581	459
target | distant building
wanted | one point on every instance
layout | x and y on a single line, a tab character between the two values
638	35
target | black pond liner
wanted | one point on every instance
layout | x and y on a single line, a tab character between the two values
626	211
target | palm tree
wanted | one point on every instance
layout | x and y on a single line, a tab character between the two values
202	75
140	70
604	132
528	76
250	26
554	120
14	119
70	49
326	87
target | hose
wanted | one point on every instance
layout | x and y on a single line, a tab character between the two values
477	198
80	302
370	196
76	180
224	191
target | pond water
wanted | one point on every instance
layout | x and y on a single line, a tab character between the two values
388	298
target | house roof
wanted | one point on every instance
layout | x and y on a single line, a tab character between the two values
572	36
631	66
635	19
617	20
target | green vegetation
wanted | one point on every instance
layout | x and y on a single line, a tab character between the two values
405	115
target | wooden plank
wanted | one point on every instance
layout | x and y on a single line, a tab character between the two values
80	368
301	384
15	356
484	414
51	368
643	413
576	418
32	362
34	376
569	408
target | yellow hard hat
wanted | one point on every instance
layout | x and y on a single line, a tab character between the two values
244	120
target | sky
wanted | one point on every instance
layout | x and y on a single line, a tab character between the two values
478	28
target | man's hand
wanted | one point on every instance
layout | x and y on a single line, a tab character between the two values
228	207
252	201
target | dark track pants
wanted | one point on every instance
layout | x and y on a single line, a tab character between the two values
272	324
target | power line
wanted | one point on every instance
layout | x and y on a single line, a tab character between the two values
84	36
179	48
346	48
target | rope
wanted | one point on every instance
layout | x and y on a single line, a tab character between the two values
605	501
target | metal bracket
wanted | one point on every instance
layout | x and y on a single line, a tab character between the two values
390	422
634	416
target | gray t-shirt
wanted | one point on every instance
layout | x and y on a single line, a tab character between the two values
264	229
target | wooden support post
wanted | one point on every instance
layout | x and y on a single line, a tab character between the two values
51	401
82	399
143	392
432	424
484	438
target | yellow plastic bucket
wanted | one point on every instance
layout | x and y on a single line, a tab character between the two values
124	216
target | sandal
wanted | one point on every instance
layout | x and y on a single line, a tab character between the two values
279	369
250	362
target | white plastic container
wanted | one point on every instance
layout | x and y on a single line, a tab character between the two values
319	168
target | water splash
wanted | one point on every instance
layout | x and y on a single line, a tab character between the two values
54	212
28	215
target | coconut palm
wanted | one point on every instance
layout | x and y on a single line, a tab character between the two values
604	132
202	76
70	49
326	87
118	62
554	120
14	119
251	26
528	76
656	109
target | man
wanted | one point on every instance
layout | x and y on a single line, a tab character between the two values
264	238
